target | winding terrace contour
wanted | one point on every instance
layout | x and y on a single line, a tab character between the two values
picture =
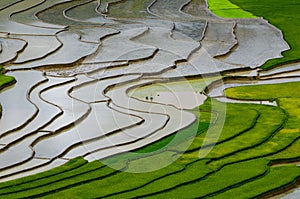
75	62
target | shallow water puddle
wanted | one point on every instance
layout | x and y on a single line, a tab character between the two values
169	8
28	16
37	47
92	91
86	12
178	119
122	48
10	48
160	38
18	153
12	27
257	43
72	110
71	51
99	122
130	9
182	100
87	100
219	38
14	113
47	112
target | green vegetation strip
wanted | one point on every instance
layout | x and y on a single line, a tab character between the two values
283	139
226	9
72	164
249	143
217	181
265	128
284	15
68	179
190	173
5	80
123	181
238	120
262	92
277	178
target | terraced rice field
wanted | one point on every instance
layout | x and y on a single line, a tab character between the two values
148	99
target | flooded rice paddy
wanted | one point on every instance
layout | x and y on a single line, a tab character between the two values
87	74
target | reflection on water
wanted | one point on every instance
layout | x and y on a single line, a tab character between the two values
182	100
7	3
196	8
14	113
169	8
28	16
56	14
95	58
10	48
103	7
130	9
86	13
294	195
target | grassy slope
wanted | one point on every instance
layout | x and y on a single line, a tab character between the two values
284	15
277	147
262	92
95	180
226	9
5	80
281	175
